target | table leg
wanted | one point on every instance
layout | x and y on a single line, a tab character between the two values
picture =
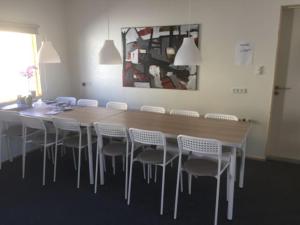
242	169
90	154
231	185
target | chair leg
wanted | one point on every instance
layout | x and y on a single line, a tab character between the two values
181	182
126	174
23	157
79	166
162	191
55	162
96	171
44	165
144	171
101	167
74	159
0	149
227	184
179	177
155	174
130	179
242	166
113	160
217	200
190	184
148	174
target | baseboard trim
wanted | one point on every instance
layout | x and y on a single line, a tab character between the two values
282	159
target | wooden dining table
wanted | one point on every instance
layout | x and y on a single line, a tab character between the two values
231	133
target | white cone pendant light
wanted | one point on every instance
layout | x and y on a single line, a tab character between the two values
48	54
188	53
109	54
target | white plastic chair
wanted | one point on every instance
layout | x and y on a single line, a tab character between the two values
221	116
112	149
182	112
72	141
10	126
150	156
154	109
66	100
241	150
117	105
201	166
87	103
44	139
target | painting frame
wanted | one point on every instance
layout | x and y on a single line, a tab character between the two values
148	56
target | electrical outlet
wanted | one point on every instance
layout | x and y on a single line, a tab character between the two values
239	90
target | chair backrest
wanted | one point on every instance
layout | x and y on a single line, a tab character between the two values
182	112
220	116
110	130
9	116
66	124
155	109
147	137
203	146
66	100
87	102
32	122
117	105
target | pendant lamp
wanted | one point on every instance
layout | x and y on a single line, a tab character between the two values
188	53
109	54
48	54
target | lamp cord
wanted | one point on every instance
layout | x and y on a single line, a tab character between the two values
189	17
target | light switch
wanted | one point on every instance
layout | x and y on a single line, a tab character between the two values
259	70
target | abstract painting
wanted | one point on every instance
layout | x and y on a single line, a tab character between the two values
148	56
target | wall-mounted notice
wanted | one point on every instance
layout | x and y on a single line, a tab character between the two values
244	53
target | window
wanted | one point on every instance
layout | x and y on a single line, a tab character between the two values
18	52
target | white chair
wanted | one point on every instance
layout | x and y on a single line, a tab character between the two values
241	150
182	112
10	126
73	141
154	109
202	166
87	103
43	138
221	116
112	149
150	156
66	100
117	105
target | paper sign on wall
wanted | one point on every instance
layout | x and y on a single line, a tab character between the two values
244	53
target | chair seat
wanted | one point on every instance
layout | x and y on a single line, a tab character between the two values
153	156
202	167
39	138
16	131
73	141
115	149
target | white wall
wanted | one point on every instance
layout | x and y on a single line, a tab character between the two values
223	23
49	15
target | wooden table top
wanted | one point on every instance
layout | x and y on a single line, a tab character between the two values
230	133
85	115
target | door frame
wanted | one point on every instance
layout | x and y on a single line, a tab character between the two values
268	154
